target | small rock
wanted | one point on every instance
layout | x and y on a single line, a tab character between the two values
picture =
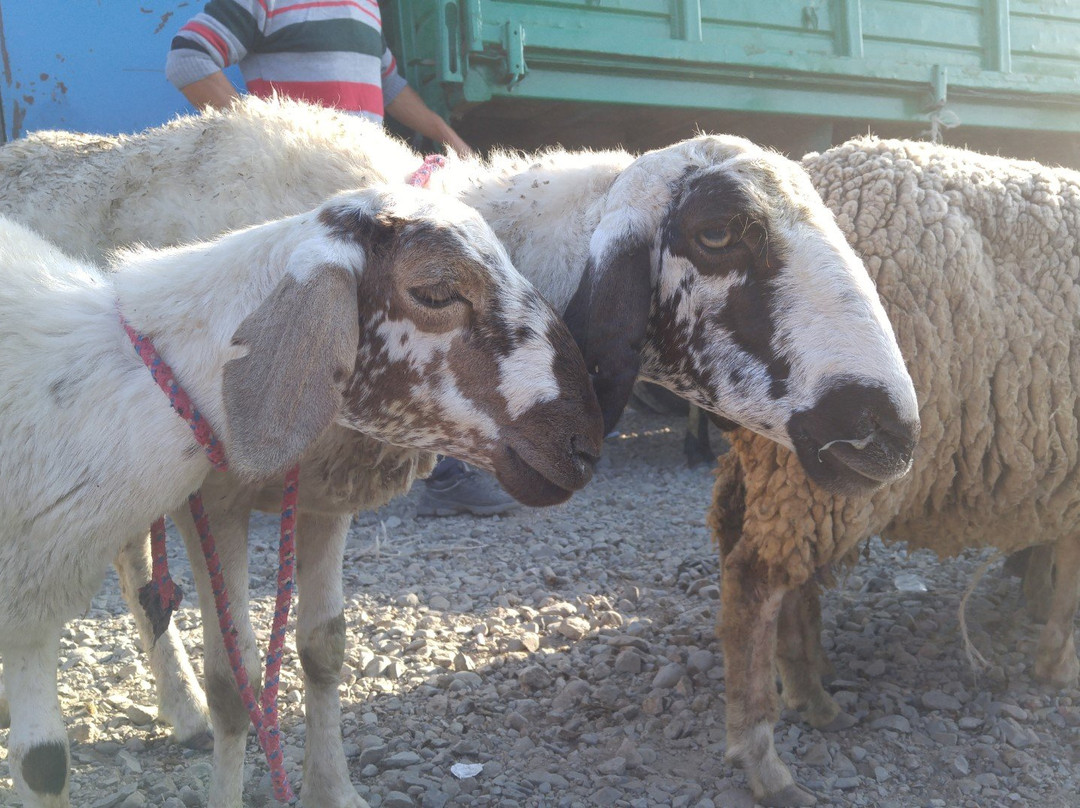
131	763
573	628
376	667
734	797
528	641
534	677
434	799
987	780
1010	710
629	660
439	603
897	723
938	700
668	676
653	704
1017	736
701	661
465	680
627	641
606	796
396	799
570	696
628	752
817	755
136	799
617	765
111	800
373	754
463	662
82	733
875	668
190	797
555	781
401	760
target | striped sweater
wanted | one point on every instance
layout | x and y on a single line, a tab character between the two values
329	52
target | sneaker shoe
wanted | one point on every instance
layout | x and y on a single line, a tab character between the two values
455	488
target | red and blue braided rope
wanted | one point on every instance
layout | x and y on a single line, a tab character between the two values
431	164
263	712
166	380
161	596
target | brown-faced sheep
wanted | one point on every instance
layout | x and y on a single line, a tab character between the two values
335	316
977	261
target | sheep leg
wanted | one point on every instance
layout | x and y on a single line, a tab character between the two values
180	698
228	716
801	661
750	609
1055	656
320	640
1038	582
696	445
5	711
37	743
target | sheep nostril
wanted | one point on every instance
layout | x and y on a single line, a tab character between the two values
584	449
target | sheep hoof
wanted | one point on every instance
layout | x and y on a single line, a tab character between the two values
839	722
202	741
793	796
1062	674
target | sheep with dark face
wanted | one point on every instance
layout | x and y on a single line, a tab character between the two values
710	267
976	262
334	316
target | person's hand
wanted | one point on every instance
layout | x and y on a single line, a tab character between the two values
454	141
215	92
409	108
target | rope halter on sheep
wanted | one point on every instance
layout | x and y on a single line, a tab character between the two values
432	163
161	596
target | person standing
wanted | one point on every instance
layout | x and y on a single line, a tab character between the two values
329	53
333	53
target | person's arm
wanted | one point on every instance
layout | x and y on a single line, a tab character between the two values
215	38
215	92
408	108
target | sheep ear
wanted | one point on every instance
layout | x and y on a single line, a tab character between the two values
608	316
301	345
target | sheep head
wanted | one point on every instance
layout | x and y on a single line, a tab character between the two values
717	271
429	339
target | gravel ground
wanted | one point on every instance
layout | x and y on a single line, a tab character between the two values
570	652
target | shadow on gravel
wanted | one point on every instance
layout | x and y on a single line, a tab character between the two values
570	653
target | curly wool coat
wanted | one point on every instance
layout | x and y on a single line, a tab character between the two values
977	263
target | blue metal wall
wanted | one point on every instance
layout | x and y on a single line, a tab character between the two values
88	65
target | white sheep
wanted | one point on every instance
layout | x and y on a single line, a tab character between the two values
710	266
977	262
388	311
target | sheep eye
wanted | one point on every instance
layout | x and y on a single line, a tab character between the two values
715	238
435	297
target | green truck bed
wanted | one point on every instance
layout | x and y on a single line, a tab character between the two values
899	66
